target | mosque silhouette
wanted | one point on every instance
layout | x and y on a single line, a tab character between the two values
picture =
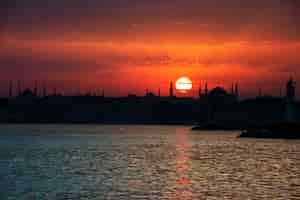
215	105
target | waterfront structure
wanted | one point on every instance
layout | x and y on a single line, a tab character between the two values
171	90
290	90
216	105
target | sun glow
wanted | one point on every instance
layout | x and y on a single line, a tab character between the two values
184	84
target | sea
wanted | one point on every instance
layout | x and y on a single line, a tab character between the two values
60	162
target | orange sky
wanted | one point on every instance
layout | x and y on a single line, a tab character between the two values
125	47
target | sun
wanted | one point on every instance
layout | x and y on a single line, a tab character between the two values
184	84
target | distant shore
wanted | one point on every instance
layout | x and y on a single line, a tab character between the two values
280	130
103	123
284	130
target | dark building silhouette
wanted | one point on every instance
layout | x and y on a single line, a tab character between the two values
27	93
149	94
290	90
291	107
171	90
236	90
217	101
200	91
215	105
218	92
27	97
206	89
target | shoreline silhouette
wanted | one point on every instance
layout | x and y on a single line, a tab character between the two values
215	109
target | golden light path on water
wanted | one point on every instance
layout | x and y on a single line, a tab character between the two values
181	183
144	162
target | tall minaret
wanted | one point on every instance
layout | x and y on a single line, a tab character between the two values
206	89
200	91
171	89
158	92
290	90
10	90
232	89
290	111
236	90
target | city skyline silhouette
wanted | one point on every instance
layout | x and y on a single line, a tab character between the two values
216	105
149	99
128	46
41	89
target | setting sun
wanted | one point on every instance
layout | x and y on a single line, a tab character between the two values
184	84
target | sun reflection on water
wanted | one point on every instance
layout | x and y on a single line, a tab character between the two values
182	183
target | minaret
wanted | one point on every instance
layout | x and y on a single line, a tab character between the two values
159	92
206	89
290	110
171	89
290	90
200	91
10	90
236	90
232	89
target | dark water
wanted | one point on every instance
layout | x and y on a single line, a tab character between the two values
143	162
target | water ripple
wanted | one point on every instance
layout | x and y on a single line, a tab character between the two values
160	163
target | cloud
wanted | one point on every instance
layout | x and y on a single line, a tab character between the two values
223	20
65	38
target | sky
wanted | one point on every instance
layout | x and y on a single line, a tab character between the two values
128	46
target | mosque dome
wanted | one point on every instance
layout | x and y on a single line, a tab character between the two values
27	93
218	91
